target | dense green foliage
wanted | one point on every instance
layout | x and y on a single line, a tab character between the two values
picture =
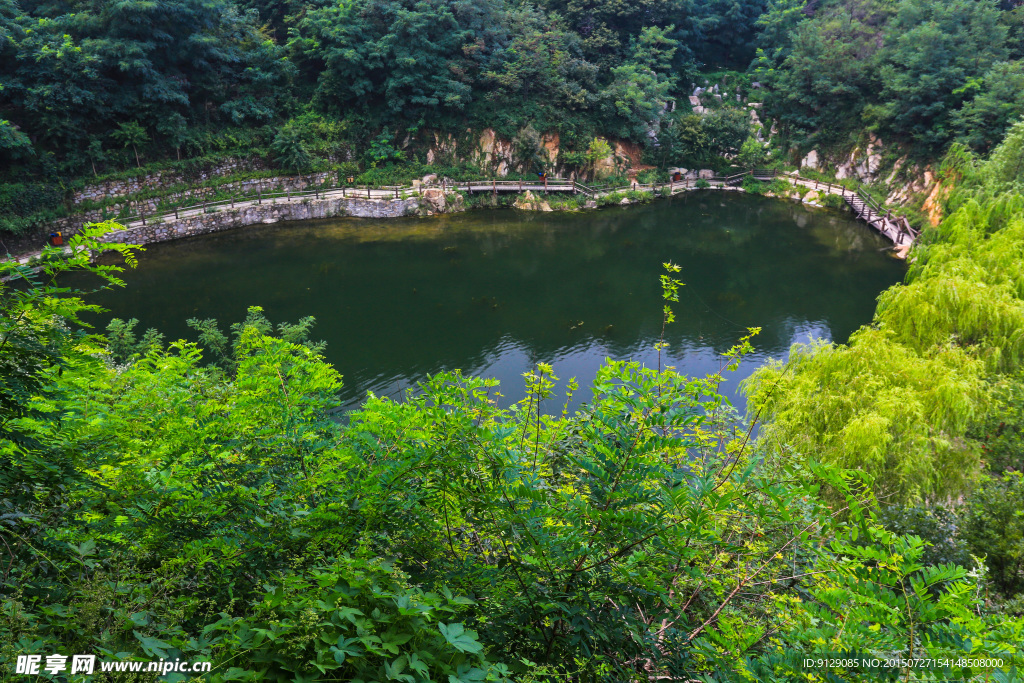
122	74
98	89
163	506
87	85
202	500
100	86
928	398
918	71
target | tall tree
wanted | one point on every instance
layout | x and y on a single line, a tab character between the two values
78	69
407	58
932	49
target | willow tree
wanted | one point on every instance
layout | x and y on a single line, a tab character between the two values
879	406
899	400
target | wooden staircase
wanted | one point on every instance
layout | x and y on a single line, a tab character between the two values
896	229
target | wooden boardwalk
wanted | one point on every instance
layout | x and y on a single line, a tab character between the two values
896	229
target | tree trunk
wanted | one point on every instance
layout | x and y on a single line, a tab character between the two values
137	162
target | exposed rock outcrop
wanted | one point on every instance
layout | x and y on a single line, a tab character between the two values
862	165
528	202
905	184
493	152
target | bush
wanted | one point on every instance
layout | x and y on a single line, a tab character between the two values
25	199
359	620
780	187
566	202
651	175
994	529
832	201
753	186
938	526
633	195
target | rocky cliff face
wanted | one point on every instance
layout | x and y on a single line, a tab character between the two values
495	153
906	184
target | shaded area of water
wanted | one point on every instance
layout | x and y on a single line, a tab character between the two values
494	292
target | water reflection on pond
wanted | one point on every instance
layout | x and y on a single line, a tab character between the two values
494	292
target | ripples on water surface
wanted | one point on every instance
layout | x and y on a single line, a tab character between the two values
494	292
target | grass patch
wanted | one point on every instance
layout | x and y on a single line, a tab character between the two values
832	201
566	202
637	196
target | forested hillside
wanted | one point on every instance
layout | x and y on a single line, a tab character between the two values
95	85
205	501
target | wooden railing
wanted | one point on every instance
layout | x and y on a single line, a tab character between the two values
872	208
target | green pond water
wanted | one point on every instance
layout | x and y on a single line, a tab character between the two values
494	292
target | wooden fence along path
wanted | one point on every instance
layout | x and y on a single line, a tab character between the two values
896	229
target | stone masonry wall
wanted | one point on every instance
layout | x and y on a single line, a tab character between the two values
226	219
71	224
120	188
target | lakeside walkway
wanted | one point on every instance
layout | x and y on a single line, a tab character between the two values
896	229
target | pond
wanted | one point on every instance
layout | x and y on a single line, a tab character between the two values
495	292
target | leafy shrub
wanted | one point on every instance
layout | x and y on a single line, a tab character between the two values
381	150
25	199
994	529
566	202
352	619
937	526
780	187
651	175
832	201
640	196
753	186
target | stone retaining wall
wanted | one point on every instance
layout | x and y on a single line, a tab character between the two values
240	189
226	218
120	188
